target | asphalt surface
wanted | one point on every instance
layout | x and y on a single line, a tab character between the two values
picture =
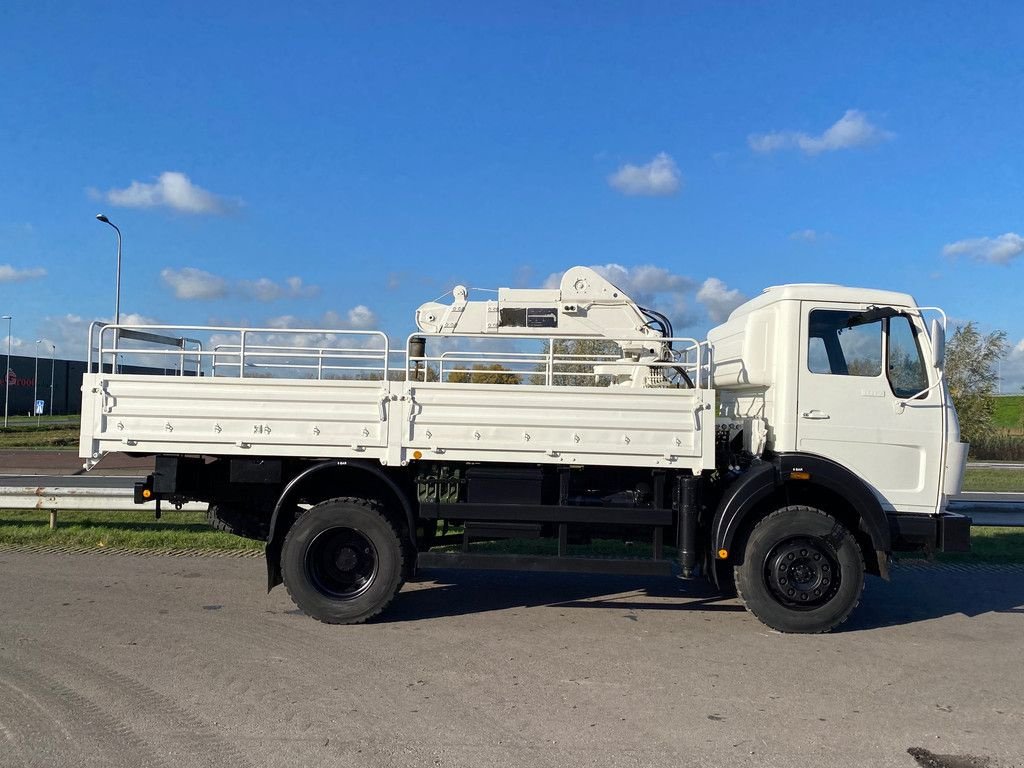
110	660
30	462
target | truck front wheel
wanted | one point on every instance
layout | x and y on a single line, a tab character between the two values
342	561
802	571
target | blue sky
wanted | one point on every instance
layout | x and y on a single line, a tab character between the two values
343	164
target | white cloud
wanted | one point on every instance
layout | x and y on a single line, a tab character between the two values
362	318
658	178
804	235
70	333
994	250
358	318
17	345
718	299
648	286
853	129
1011	370
9	274
190	283
644	284
263	289
173	190
266	290
769	142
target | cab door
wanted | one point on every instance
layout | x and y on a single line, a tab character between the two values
858	365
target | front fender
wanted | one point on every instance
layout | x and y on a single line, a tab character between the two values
766	478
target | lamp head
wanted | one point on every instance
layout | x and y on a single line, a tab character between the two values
102	218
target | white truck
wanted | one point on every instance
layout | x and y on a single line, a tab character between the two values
805	441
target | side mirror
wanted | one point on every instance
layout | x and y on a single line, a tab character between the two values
938	344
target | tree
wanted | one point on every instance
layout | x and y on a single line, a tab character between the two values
484	374
971	376
581	374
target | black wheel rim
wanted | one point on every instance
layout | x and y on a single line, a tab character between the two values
802	573
341	563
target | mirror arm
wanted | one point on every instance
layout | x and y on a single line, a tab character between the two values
906	401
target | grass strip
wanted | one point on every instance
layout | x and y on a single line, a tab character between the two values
129	530
989	544
45	436
979	479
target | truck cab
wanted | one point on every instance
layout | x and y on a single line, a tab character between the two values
848	374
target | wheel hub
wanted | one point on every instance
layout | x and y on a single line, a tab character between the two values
341	563
802	572
347	559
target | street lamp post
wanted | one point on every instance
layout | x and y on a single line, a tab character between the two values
117	284
35	382
53	360
7	373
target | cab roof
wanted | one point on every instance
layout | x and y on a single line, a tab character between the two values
824	292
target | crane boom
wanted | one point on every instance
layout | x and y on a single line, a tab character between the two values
584	304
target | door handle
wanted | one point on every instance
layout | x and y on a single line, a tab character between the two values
814	415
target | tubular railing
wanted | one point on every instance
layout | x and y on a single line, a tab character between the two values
250	353
247	352
552	364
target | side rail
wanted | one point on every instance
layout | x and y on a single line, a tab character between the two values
673	362
557	400
235	391
199	350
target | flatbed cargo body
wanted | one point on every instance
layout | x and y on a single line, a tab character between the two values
390	421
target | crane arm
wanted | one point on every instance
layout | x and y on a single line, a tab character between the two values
584	305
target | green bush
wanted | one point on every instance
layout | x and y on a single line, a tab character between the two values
998	447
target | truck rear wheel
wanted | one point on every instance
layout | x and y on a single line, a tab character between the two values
239	521
342	561
802	571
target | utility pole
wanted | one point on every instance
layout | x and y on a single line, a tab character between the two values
53	359
7	373
35	383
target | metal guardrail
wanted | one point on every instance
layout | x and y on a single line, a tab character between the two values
57	498
990	508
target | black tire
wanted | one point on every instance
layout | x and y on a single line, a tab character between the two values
239	521
802	571
342	561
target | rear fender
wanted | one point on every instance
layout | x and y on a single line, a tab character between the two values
281	519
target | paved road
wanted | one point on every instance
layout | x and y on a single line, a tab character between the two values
131	661
23	462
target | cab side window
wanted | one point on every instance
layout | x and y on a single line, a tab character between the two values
907	374
840	344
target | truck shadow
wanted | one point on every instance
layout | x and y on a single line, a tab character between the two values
915	594
444	592
924	591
